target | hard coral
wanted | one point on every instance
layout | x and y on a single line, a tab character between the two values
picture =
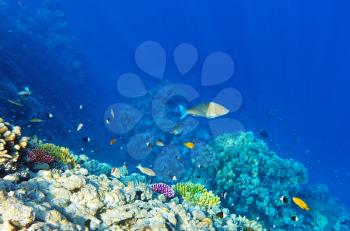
12	145
253	179
61	154
164	189
197	194
37	155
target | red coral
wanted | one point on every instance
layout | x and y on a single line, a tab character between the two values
37	155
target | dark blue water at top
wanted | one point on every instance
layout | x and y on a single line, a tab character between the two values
291	60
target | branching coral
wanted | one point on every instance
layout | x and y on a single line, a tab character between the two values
61	154
197	194
12	144
164	189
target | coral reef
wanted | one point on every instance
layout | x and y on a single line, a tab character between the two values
75	200
61	154
197	194
93	166
164	189
12	145
252	179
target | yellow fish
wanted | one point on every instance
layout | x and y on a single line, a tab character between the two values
146	171
299	202
36	120
15	103
208	110
189	145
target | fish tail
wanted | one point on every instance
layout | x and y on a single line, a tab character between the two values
183	112
138	166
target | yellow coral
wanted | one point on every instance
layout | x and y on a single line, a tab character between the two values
197	194
208	198
62	154
12	144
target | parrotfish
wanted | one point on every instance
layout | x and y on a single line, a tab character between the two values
208	110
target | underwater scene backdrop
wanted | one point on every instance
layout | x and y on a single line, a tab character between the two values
199	115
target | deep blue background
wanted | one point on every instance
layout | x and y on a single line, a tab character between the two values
292	65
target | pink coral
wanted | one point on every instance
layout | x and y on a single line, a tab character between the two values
37	155
164	189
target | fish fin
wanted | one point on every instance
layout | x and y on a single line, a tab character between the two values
183	112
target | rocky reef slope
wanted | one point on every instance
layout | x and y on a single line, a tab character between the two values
75	200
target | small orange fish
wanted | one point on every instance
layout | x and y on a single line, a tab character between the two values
113	141
299	202
189	145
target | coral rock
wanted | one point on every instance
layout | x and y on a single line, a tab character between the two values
16	213
73	182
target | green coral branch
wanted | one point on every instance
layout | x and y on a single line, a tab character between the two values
62	154
197	194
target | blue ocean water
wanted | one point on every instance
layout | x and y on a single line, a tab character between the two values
289	80
290	56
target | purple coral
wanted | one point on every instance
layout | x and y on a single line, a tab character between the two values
164	189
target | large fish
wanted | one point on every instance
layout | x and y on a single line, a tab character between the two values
208	110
